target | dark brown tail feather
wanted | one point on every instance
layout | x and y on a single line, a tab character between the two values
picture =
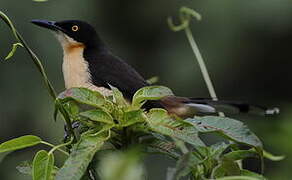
186	107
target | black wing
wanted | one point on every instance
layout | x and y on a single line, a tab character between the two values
108	69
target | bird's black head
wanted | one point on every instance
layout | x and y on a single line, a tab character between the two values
78	31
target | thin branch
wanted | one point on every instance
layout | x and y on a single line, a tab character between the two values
185	18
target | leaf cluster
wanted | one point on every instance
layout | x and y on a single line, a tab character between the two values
108	126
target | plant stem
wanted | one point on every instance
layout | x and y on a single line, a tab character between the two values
202	66
40	67
59	146
56	147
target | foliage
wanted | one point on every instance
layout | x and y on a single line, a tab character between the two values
110	128
122	125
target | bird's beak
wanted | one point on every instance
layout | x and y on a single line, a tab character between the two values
47	24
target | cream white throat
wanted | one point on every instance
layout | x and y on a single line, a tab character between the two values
75	67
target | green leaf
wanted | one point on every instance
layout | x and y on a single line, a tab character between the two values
57	109
133	117
164	147
185	165
158	143
118	97
40	0
213	152
245	172
240	154
150	93
237	178
226	168
19	143
3	156
98	116
153	80
85	96
159	121
26	168
216	150
209	156
227	127
42	166
80	157
272	157
121	166
72	109
13	50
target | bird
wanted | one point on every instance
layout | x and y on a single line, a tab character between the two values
88	63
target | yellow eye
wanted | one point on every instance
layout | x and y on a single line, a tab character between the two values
75	28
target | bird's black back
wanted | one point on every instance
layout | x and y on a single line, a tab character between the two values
105	69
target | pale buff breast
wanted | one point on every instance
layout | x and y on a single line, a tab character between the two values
75	67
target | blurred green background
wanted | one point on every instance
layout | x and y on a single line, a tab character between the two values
246	45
